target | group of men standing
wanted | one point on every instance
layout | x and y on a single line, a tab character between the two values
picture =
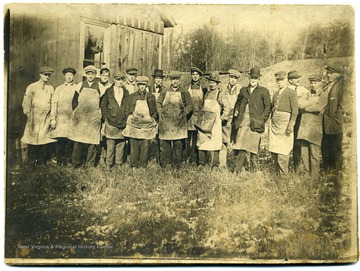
95	121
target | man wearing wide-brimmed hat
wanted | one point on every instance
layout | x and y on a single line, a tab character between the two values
141	126
333	120
36	107
311	126
86	119
61	109
251	111
174	106
228	97
196	91
283	116
113	104
294	78
209	139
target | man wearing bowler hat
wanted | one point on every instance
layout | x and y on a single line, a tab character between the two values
302	93
331	146
196	91
228	98
174	106
61	109
156	87
251	111
311	126
283	116
86	119
36	106
130	83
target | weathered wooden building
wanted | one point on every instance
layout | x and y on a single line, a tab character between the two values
61	35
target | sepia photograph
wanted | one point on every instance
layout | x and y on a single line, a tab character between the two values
180	134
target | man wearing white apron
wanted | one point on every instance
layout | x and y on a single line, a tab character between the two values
113	104
61	110
174	105
86	119
228	97
196	91
141	126
36	106
281	131
251	111
209	139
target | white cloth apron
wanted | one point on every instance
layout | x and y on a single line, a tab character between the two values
197	97
111	132
278	141
38	123
140	124
245	138
228	101
172	119
211	141
86	118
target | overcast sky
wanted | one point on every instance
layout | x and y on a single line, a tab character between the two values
271	18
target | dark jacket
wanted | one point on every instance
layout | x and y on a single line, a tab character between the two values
131	103
110	109
152	88
259	108
333	114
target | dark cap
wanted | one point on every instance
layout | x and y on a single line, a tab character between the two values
280	75
46	69
196	69
214	76
158	73
131	70
294	75
331	69
119	75
175	74
69	69
255	72
315	77
104	69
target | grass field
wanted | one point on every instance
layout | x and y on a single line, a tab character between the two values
58	212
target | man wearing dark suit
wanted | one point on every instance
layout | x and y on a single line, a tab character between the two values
251	111
331	146
157	86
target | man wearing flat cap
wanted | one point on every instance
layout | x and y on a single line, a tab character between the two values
113	104
333	121
228	97
174	106
86	119
141	126
61	110
196	91
36	106
283	116
311	126
130	83
251	111
209	139
294	78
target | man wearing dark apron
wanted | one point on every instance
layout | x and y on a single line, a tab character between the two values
174	105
